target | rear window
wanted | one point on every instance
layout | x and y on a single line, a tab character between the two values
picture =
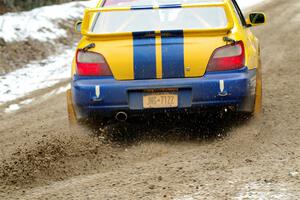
160	19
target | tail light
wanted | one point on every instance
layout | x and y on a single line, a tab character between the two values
229	57
91	64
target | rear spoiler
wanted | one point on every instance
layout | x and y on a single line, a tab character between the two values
91	13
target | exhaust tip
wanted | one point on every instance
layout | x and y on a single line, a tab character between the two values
121	116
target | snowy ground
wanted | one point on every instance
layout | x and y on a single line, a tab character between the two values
42	24
35	76
255	191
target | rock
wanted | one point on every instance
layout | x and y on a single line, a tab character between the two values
160	178
151	187
294	174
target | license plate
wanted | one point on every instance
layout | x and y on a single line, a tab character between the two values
160	100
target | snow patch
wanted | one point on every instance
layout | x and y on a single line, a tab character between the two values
35	76
56	92
253	190
186	198
276	191
26	102
12	108
41	23
63	89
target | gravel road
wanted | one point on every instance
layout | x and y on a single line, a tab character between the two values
193	157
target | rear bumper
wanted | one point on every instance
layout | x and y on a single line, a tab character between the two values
232	88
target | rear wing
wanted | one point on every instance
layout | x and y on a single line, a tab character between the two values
91	14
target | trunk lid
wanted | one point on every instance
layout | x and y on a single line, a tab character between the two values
158	56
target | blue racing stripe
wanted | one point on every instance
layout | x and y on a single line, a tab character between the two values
151	7
170	6
144	55
141	7
172	54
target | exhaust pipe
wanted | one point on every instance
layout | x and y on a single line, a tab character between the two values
121	116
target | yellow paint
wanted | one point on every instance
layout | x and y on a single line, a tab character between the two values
244	34
158	57
118	53
99	3
73	69
197	52
258	92
71	111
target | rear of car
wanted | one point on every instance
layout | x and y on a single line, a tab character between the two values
138	57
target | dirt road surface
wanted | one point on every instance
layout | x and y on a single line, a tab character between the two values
202	157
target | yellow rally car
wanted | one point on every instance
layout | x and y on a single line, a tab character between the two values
148	56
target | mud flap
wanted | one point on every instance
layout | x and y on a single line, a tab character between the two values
253	103
249	101
248	105
258	93
71	111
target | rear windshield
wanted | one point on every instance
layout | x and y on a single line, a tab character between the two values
160	19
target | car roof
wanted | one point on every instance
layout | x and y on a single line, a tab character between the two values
154	2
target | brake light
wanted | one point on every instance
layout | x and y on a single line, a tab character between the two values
229	57
91	64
